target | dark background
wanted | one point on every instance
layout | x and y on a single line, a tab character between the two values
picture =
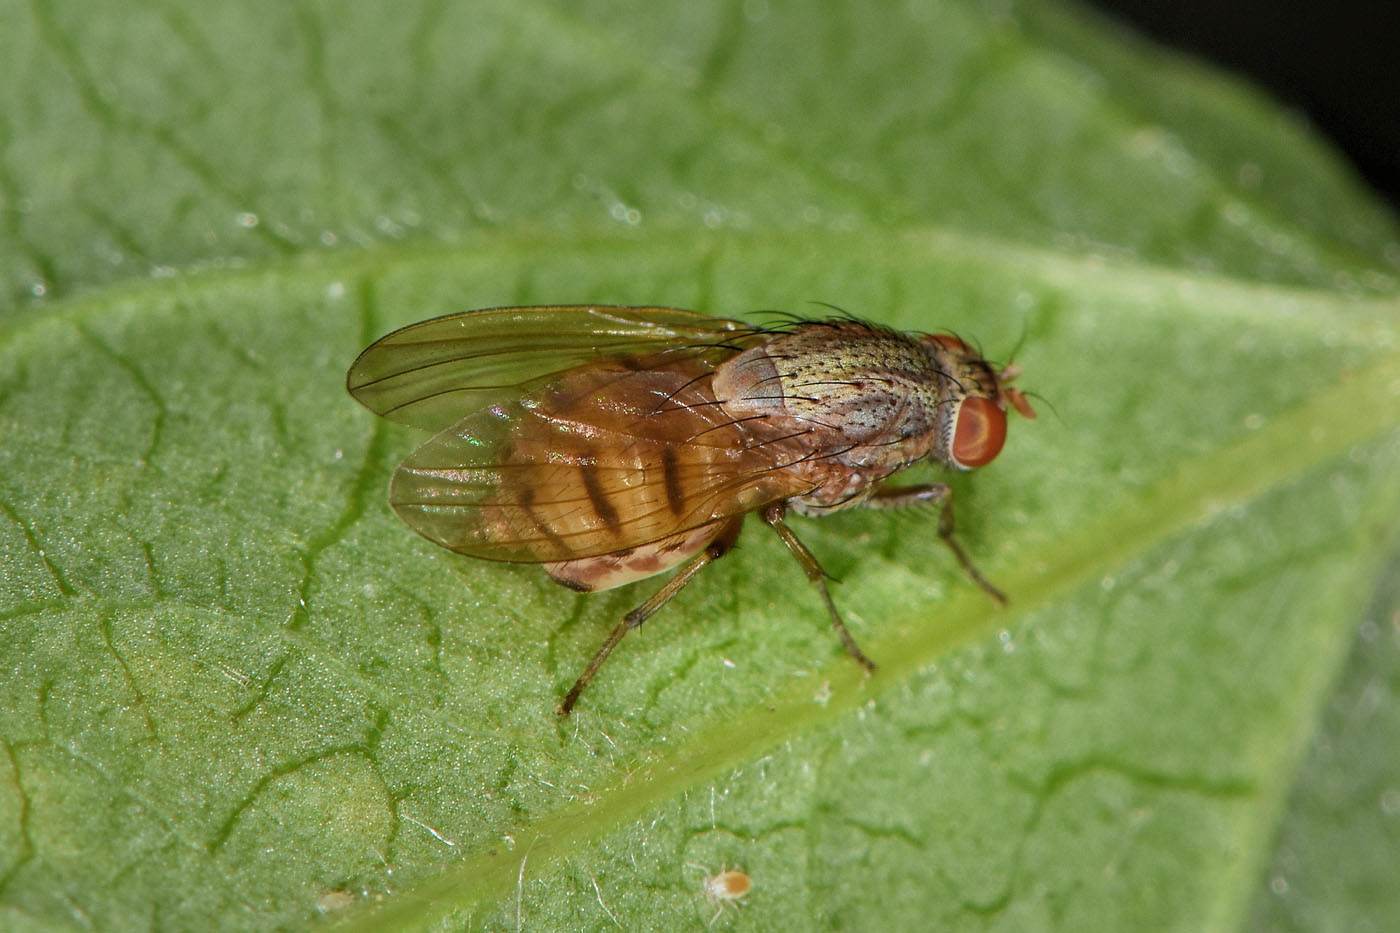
1337	61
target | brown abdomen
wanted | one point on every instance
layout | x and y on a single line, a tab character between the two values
612	459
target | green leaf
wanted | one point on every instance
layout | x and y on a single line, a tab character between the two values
238	693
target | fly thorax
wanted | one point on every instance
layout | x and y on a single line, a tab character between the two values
852	382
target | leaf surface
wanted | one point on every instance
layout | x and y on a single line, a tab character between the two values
238	693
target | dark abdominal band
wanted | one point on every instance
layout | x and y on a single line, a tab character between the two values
673	482
598	498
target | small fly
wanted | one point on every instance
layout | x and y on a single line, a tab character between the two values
610	443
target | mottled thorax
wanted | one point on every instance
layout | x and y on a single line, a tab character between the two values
860	384
864	400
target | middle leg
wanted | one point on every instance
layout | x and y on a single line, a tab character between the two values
773	515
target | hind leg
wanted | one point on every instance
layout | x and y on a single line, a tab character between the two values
712	552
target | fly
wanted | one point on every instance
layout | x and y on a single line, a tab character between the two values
610	444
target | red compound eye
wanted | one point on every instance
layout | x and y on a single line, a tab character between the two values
980	432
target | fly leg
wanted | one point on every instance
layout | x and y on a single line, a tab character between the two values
713	552
894	497
773	515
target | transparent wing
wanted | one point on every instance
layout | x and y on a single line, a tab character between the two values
594	463
430	374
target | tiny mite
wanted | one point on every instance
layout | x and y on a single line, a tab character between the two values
727	889
610	444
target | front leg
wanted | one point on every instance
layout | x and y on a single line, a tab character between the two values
896	497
